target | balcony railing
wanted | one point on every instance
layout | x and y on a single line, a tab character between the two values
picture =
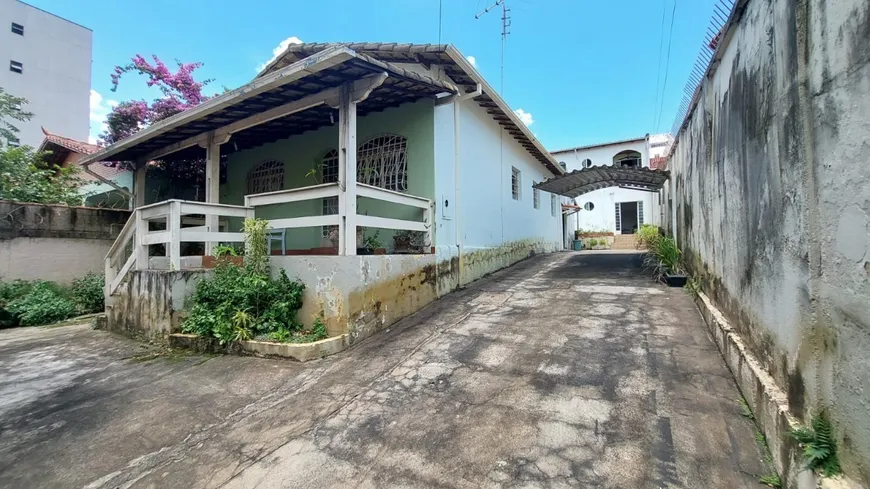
131	247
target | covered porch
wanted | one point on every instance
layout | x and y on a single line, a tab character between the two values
321	149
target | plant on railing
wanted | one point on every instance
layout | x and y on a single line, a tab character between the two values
222	250
404	240
820	447
239	303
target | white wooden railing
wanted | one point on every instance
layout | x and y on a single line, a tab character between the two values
327	190
136	236
131	248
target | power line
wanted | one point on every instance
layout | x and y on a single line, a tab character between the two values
659	67
440	8
505	25
667	66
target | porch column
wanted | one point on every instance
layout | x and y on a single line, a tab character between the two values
139	185
347	171
212	184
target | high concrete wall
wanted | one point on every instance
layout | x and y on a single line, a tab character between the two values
58	243
771	202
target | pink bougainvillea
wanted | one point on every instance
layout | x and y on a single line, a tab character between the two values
179	88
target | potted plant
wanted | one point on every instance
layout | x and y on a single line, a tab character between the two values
367	245
223	254
666	259
405	241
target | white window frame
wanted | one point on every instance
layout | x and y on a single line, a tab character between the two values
536	196
586	163
266	177
589	206
382	161
516	183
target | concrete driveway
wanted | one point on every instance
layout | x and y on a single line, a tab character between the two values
567	370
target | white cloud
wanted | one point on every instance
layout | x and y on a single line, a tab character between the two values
279	49
524	116
472	60
100	108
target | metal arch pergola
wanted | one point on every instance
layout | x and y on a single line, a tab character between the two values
580	182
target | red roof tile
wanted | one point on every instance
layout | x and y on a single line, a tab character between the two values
82	148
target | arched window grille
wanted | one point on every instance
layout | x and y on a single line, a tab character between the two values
268	177
382	162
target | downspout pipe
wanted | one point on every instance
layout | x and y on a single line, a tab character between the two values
105	180
456	179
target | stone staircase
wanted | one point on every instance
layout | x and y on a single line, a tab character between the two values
623	242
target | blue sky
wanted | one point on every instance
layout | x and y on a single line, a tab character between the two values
584	70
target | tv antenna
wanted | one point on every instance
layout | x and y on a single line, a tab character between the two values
505	30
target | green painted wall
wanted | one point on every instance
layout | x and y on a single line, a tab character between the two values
303	152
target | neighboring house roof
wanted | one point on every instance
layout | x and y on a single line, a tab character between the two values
611	143
454	65
658	163
60	148
259	112
579	182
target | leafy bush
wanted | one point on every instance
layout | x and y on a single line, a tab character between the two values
241	302
43	304
664	256
820	448
87	293
647	236
25	176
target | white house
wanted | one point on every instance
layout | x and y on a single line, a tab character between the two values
47	60
615	209
337	146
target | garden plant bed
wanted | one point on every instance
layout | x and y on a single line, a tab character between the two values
297	351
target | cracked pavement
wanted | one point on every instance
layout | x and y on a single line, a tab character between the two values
566	370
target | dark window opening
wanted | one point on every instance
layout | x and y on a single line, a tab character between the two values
16	67
17	29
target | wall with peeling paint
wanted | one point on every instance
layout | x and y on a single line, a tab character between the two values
771	202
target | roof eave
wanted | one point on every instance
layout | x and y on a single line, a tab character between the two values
460	60
324	59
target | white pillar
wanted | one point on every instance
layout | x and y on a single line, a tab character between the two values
212	187
173	225
347	171
139	185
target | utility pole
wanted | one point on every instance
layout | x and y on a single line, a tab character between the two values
505	30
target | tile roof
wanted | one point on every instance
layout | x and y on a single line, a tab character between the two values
82	148
79	147
450	62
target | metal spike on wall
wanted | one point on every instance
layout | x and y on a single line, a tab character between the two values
722	10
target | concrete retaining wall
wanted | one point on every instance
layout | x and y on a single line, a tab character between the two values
53	242
357	295
771	199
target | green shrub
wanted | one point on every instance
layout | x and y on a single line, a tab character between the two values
241	302
43	304
87	293
10	291
664	256
647	236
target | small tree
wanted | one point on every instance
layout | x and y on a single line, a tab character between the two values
179	88
11	108
25	176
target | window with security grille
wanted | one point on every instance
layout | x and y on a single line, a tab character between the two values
382	162
329	167
329	205
536	196
17	29
16	67
515	183
268	177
